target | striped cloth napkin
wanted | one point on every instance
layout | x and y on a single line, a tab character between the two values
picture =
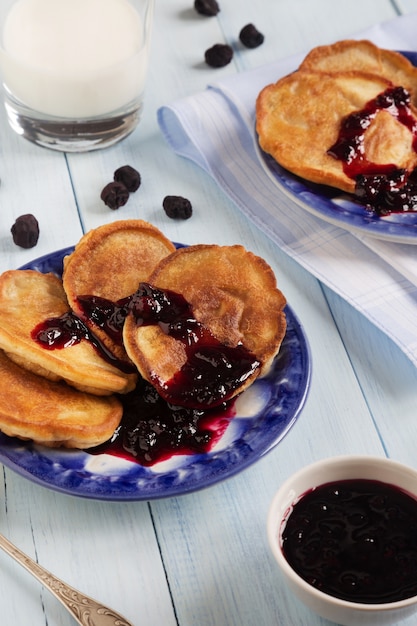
215	129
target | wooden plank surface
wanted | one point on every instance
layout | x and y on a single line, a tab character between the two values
200	559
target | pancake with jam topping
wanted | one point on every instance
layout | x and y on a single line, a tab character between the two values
107	265
52	413
318	124
306	109
209	321
39	332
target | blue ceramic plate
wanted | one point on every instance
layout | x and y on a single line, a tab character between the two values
265	413
337	208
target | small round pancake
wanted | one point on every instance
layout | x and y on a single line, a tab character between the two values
51	413
110	261
29	298
232	293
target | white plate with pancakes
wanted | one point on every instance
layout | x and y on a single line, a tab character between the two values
338	207
261	417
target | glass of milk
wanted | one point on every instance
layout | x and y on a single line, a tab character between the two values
74	71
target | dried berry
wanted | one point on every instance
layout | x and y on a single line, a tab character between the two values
129	177
206	7
115	195
218	55
177	207
250	36
25	231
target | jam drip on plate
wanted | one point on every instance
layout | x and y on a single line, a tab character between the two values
384	189
152	430
356	540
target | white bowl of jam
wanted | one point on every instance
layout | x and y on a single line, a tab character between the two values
344	533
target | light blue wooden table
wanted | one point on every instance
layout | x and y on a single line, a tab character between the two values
200	559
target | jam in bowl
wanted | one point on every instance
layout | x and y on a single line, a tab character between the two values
344	533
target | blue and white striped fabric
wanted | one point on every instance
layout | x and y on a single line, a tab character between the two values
215	129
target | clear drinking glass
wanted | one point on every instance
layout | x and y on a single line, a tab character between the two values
74	71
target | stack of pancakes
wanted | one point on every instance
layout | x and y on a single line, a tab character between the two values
68	395
299	117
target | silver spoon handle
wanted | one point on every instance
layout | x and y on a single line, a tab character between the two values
85	610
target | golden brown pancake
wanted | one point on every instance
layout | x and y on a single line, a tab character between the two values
27	299
299	119
364	56
232	293
51	413
110	262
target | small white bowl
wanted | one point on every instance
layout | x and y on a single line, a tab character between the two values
327	471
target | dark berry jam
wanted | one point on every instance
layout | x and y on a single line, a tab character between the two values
213	371
187	414
152	430
61	332
356	540
383	189
105	314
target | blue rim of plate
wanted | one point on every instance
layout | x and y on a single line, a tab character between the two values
337	208
265	414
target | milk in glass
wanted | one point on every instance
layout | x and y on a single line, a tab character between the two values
74	58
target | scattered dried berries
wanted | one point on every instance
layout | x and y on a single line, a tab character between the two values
218	55
25	231
114	195
129	177
125	181
177	207
206	7
250	36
